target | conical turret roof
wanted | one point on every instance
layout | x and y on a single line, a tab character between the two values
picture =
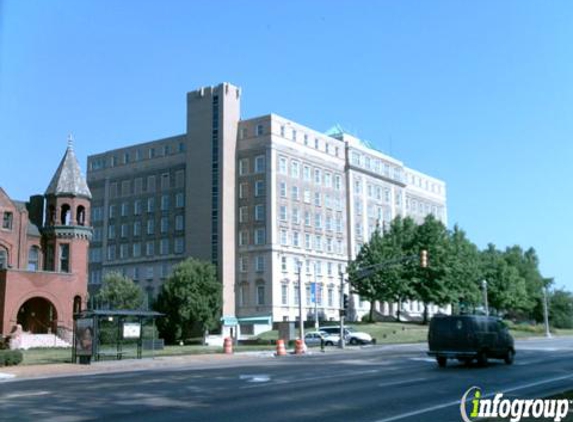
68	179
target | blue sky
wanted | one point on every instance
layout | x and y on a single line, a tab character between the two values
479	93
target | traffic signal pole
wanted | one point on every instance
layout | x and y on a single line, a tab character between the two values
342	311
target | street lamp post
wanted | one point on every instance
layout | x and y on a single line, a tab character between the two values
300	322
546	313
342	310
485	304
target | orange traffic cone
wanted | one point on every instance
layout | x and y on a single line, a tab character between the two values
228	346
299	347
281	351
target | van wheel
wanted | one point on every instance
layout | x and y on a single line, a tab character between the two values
509	356
442	361
353	341
482	358
329	343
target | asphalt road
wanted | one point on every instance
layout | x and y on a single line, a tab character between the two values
375	384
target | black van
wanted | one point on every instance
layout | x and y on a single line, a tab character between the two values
469	337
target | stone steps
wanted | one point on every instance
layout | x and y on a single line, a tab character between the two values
29	341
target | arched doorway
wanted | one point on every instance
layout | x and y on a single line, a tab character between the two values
38	316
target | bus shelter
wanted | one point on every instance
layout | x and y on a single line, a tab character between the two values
111	334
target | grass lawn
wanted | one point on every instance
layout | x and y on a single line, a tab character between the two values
64	355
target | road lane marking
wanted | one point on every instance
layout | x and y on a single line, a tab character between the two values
393	383
27	394
255	378
316	378
457	402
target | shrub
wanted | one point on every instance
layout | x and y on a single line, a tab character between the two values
10	357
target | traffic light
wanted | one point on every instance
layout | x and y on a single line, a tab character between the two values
424	258
345	301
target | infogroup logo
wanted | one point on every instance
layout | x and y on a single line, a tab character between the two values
512	409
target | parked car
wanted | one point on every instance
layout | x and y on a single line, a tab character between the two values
351	336
469	337
313	338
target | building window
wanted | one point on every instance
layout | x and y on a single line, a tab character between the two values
150	227
136	249
123	251
306	173
295	193
260	264
283	215
137	228
296	239
317	176
150	204
284	238
296	294
295	215
307	241
65	258
317	201
243	166
111	231
243	264
243	214
294	169
33	259
111	212
259	188
284	294
282	165
337	182
164	202
260	236
259	212
283	264
243	190
164	225
243	238
179	200
306	196
260	164
307	218
137	207
179	223
179	245
283	189
164	246
318	220
260	295
330	297
124	230
150	248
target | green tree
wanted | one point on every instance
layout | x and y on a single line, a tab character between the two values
527	265
432	284
191	300
561	309
385	283
506	289
119	292
464	269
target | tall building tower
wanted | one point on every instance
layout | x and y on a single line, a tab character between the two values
67	230
213	115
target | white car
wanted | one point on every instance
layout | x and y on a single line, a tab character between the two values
351	336
314	338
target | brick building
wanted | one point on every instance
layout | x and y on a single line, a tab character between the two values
43	254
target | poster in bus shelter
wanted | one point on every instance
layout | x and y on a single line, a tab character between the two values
84	337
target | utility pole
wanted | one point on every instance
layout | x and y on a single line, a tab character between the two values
342	310
300	323
546	313
315	299
485	304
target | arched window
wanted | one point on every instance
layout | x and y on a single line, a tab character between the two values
3	258
34	259
81	215
66	215
51	215
77	304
